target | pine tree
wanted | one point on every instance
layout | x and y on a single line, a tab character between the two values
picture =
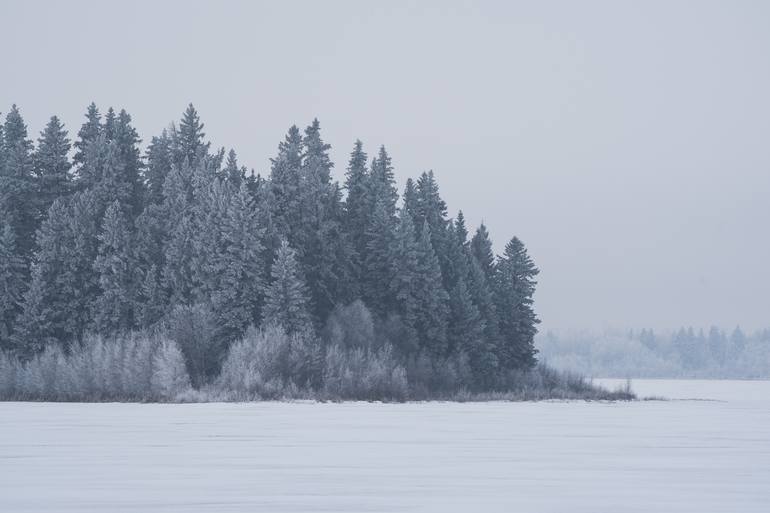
187	141
433	210
412	202
382	184
110	125
115	264
286	300
466	329
227	262
58	305
88	133
178	251
323	248
404	284
357	211
52	166
378	266
285	200
158	167
234	174
12	284
432	309
514	288
238	298
126	143
483	358
17	184
481	247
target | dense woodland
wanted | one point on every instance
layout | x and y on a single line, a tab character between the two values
175	264
684	353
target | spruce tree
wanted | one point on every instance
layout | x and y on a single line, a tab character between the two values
412	202
52	166
12	284
284	194
234	174
286	299
178	250
323	248
187	141
432	300
110	125
87	134
17	184
466	329
58	305
404	284
357	211
481	247
382	184
514	287
158	167
126	144
378	266
115	265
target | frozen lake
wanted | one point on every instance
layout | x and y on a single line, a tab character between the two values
662	456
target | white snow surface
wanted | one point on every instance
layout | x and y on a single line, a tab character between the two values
646	456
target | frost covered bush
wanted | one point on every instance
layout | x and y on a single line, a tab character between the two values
269	363
130	367
363	374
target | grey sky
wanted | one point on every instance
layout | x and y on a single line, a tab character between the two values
627	143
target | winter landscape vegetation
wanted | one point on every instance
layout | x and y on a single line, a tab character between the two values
176	274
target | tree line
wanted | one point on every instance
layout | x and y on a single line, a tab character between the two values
99	237
685	352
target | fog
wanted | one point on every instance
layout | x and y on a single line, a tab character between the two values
625	143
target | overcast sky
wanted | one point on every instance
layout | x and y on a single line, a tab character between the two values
626	143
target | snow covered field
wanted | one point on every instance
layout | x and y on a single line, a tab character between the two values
667	456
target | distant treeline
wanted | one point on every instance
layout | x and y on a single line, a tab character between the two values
103	241
683	353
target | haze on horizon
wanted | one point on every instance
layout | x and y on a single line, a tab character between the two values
627	144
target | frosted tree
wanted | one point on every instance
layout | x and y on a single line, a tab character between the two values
357	210
158	167
232	173
12	284
88	133
432	298
466	327
378	266
52	165
285	186
323	248
481	247
187	140
126	141
115	264
514	288
169	375
286	299
432	211
227	262
17	183
404	284
382	184
58	305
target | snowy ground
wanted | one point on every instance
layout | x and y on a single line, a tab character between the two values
695	456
